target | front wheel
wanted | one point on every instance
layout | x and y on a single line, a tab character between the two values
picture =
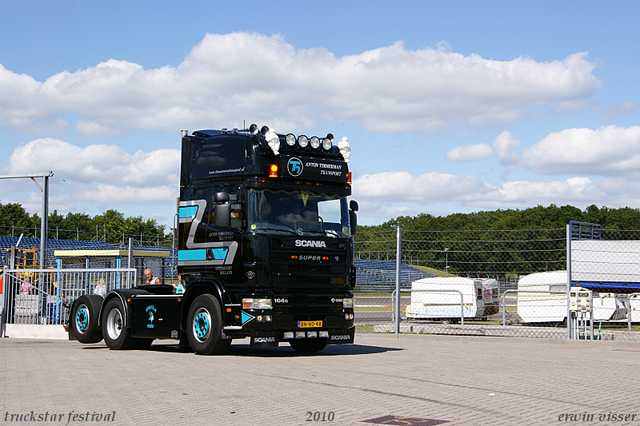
114	331
204	326
308	345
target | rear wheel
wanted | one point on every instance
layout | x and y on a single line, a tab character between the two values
204	326
308	345
114	331
84	319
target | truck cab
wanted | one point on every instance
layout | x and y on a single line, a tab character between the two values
266	227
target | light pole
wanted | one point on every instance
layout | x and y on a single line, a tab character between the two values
446	262
44	225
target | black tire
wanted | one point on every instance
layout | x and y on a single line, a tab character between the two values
204	326
115	334
84	319
308	345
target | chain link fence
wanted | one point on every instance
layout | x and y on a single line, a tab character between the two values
500	282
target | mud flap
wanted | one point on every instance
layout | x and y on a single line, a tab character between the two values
262	339
341	336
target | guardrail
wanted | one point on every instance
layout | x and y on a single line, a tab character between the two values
395	305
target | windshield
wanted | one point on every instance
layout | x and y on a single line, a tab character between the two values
299	213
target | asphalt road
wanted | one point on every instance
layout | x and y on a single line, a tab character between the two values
414	380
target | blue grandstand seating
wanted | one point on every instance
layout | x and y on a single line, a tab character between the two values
380	275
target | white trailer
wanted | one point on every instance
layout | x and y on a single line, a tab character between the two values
440	298
542	297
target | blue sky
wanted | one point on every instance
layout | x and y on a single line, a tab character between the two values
449	106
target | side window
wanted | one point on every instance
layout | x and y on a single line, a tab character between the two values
204	194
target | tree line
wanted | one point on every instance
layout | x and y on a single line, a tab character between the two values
551	217
499	242
111	226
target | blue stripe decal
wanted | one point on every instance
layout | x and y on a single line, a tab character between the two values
220	253
187	212
185	255
201	254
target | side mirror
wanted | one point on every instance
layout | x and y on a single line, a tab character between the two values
221	197
221	212
222	216
353	218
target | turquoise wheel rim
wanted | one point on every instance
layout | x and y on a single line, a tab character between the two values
202	325
82	319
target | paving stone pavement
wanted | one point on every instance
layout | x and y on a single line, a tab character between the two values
453	379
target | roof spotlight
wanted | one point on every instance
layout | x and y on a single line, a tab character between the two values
303	141
315	142
326	144
264	130
253	129
291	139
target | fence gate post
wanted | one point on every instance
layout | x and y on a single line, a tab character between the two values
569	322
398	265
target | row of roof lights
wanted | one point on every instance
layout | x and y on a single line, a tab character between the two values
304	141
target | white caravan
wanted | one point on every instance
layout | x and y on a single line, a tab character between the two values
439	298
542	297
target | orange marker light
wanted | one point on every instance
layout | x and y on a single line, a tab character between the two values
349	178
273	170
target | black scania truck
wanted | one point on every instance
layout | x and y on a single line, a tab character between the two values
265	250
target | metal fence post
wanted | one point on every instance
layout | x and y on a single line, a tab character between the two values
569	325
398	266
629	307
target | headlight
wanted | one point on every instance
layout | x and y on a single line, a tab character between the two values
326	144
303	141
256	304
347	303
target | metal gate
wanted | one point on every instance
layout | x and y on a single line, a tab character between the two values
44	296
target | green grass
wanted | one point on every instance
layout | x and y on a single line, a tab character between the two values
402	294
373	309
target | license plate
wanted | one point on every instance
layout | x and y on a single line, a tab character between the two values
309	324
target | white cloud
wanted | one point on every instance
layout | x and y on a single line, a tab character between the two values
606	151
96	163
232	77
426	188
384	193
502	146
617	111
475	152
95	178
